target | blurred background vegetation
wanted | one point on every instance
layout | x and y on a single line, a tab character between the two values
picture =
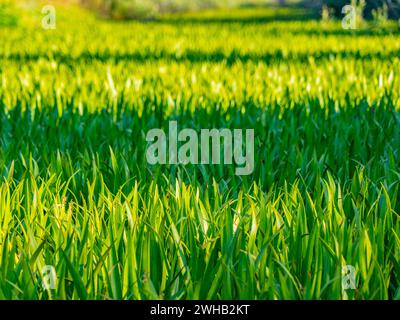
152	9
134	9
371	8
7	14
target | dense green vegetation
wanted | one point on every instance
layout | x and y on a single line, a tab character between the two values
7	15
77	193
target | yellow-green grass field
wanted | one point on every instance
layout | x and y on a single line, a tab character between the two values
77	193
